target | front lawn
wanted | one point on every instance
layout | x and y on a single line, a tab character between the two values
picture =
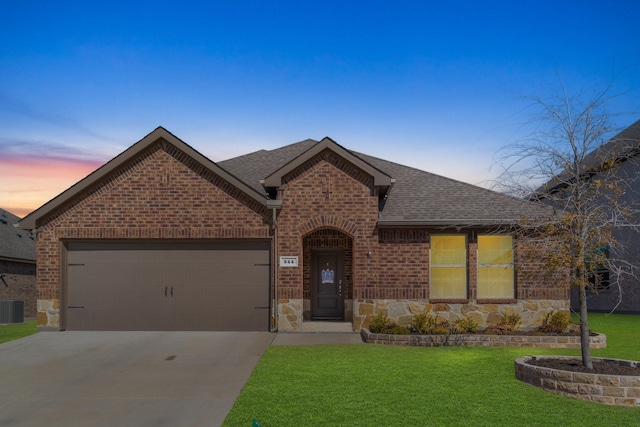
374	385
13	332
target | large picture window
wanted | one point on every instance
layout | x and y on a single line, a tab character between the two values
448	267
495	267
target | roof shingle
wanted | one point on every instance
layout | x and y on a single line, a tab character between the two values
14	243
416	197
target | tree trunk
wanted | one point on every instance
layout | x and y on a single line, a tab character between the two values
584	328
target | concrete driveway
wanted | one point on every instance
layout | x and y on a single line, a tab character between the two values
125	378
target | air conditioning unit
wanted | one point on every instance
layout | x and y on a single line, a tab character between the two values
11	312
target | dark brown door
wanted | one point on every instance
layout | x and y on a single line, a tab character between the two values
327	302
167	286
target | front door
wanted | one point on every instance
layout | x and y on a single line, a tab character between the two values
327	279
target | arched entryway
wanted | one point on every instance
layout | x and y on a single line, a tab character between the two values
327	275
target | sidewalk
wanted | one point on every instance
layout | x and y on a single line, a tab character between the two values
307	338
320	333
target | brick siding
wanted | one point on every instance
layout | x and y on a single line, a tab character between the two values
326	193
327	202
162	194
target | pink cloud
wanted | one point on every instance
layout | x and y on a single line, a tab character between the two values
30	181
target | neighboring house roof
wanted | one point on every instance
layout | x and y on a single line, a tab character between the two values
15	244
411	197
620	148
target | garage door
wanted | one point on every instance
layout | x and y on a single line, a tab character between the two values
167	286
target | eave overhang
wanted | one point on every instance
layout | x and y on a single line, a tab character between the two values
17	260
420	223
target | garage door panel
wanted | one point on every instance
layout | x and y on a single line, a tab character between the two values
148	286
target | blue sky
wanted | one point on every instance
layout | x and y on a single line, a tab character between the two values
434	85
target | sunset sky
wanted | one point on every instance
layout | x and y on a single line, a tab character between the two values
434	85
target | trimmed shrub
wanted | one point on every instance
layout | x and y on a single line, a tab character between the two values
466	325
423	323
555	322
508	324
379	324
399	330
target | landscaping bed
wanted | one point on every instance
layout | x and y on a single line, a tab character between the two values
600	366
483	339
425	330
612	382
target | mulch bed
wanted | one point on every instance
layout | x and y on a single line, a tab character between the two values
602	367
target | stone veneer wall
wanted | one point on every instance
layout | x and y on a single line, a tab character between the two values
290	314
400	311
48	314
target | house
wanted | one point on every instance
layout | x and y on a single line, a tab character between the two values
609	292
17	265
162	238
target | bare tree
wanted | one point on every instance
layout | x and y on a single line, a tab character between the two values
565	163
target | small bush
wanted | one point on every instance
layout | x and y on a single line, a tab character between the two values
398	330
442	329
508	324
466	325
555	322
380	324
423	323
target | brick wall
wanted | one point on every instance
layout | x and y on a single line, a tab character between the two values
326	193
400	264
327	202
534	278
162	194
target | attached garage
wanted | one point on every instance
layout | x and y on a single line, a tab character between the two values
167	286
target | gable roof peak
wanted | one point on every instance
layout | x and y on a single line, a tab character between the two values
32	221
381	179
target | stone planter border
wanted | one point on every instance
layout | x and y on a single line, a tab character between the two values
479	340
620	390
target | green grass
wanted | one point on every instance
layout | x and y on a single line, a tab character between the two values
14	332
374	385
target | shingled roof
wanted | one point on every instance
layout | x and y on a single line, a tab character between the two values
412	197
255	167
620	148
416	198
15	244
